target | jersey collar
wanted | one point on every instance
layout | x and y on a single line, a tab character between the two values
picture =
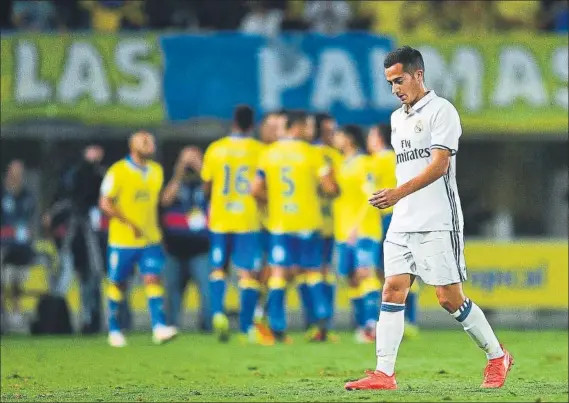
422	102
134	165
237	135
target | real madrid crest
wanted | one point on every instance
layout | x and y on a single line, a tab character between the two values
419	127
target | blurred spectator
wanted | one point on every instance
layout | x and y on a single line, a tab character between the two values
171	14
69	16
113	15
6	14
33	15
554	16
516	15
327	17
16	247
184	220
261	20
83	240
220	14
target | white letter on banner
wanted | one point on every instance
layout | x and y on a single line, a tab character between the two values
519	76
29	87
274	81
381	92
337	80
147	91
83	74
466	68
559	62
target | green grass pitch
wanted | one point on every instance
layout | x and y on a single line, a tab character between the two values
439	366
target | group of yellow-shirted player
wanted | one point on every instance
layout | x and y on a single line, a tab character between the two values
280	207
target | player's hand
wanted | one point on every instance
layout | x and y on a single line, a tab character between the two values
137	231
385	198
191	157
46	221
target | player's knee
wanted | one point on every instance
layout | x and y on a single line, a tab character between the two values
151	279
362	273
450	298
394	292
247	275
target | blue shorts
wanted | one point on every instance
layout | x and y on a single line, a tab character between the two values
242	249
365	253
121	261
296	249
327	250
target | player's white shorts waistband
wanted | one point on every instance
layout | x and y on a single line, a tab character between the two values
437	257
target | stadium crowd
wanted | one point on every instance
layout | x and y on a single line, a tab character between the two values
269	17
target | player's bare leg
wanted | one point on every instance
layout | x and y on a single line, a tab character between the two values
389	333
474	322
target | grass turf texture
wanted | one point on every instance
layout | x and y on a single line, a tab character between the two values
439	366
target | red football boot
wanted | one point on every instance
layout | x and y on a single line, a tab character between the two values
373	381
497	370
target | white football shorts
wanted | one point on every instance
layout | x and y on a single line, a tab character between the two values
436	257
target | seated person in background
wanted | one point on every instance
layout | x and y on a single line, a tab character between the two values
327	17
261	20
16	250
184	221
113	15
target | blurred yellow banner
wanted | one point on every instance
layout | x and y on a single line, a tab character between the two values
500	84
518	275
513	275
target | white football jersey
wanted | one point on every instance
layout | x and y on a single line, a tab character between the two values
432	122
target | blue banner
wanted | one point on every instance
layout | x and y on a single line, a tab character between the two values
207	75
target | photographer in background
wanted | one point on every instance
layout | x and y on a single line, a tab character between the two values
83	240
184	221
16	248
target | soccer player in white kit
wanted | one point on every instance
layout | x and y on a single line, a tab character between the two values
425	235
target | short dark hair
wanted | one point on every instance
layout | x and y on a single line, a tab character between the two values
384	131
319	118
357	135
294	117
410	58
244	117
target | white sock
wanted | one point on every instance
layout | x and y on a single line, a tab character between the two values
476	325
388	336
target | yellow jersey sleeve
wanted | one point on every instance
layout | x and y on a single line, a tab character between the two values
111	182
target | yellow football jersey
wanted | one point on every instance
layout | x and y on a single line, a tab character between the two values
136	191
334	159
384	164
230	163
357	180
292	169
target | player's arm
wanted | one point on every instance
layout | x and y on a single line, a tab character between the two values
259	187
444	144
325	172
109	192
189	157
